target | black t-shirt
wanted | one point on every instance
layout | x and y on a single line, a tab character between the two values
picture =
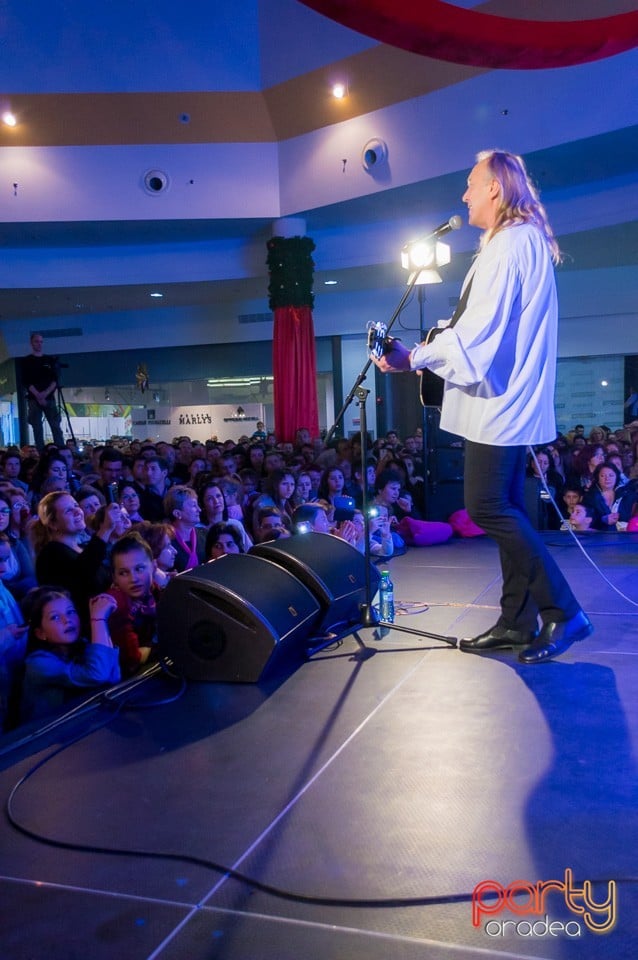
38	372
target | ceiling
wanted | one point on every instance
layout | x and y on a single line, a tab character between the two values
280	108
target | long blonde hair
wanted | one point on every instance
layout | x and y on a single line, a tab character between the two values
40	530
520	202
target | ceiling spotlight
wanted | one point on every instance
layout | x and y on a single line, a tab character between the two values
330	283
156	295
9	119
339	90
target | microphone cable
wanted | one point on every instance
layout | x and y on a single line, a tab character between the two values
566	526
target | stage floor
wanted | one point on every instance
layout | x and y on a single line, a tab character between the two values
374	788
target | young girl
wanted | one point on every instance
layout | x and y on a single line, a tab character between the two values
134	622
59	663
159	537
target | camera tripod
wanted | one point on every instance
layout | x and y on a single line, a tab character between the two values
62	408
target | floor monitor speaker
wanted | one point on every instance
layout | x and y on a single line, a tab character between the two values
229	619
330	568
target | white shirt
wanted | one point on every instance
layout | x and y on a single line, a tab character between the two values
499	360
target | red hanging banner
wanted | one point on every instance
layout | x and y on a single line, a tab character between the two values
291	270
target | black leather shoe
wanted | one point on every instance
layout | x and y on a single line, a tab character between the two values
497	638
555	638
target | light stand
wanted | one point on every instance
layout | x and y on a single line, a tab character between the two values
369	617
428	424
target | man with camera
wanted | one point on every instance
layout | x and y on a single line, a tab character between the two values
40	379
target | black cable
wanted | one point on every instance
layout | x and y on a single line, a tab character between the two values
107	695
226	871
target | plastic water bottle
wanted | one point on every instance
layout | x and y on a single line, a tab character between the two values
386	597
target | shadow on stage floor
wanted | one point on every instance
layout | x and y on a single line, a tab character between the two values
351	807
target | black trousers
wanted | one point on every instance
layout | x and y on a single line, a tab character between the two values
34	416
533	585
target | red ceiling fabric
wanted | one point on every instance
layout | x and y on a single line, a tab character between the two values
443	31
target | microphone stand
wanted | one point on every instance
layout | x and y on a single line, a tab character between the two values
369	617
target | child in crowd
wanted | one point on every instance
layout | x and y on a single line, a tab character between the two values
12	636
134	621
381	542
159	537
59	663
579	519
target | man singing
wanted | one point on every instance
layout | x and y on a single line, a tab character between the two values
498	360
40	381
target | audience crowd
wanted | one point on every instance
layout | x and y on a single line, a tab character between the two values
90	538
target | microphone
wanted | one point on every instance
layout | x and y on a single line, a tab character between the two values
454	223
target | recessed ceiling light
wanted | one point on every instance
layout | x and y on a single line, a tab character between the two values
9	119
339	90
330	283
156	295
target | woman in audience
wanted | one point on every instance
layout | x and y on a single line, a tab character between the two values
604	501
196	466
303	489
51	472
331	485
90	500
129	500
60	664
61	559
232	491
584	464
221	539
211	502
278	490
183	512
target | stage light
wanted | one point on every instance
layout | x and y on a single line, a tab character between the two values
425	256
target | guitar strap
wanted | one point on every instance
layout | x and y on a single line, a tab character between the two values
461	305
431	385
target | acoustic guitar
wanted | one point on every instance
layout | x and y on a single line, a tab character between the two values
430	385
